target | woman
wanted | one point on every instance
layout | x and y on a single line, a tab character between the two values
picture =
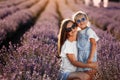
67	50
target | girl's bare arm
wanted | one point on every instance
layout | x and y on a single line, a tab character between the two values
93	49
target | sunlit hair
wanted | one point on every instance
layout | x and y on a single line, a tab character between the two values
62	36
79	13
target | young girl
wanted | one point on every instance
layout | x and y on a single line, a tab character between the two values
67	49
86	42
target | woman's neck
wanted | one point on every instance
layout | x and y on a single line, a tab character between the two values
72	38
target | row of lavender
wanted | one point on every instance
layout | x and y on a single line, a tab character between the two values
108	57
108	48
9	3
11	23
36	56
4	12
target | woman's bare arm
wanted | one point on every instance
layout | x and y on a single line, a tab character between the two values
76	63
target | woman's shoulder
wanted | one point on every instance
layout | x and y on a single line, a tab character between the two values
66	43
69	43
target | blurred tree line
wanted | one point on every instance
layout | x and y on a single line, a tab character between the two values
115	0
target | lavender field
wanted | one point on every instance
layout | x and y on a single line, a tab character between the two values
28	37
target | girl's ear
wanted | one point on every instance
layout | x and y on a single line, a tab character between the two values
88	23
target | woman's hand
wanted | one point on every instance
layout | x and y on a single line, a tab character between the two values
58	56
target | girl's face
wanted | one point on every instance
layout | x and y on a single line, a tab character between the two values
81	21
71	29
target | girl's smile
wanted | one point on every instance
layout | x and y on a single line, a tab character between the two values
81	22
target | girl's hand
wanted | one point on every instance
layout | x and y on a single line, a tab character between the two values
93	65
89	61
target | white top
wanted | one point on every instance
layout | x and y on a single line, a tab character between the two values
91	34
68	48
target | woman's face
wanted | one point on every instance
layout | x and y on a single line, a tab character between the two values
81	21
71	29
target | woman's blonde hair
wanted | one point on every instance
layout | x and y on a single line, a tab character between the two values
62	36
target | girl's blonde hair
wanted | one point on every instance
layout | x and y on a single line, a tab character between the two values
79	13
62	36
